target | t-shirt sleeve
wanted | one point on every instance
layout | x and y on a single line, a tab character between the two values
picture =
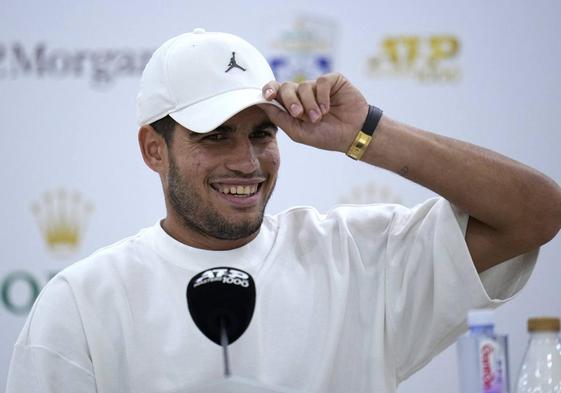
431	282
51	353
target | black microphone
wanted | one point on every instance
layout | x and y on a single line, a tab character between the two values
221	301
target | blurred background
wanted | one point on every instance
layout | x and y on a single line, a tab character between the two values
73	180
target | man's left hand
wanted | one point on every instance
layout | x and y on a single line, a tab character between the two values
325	113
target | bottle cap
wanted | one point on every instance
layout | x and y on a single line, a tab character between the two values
543	324
483	317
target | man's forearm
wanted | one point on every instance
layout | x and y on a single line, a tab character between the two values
513	200
512	208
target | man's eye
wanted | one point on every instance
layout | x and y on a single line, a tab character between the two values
214	137
261	134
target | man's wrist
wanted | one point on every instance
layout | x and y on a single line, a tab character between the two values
364	136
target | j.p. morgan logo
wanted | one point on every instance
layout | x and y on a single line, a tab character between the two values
224	275
101	67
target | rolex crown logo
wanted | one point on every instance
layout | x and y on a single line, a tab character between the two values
370	192
62	217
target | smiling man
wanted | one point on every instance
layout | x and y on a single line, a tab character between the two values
354	300
217	184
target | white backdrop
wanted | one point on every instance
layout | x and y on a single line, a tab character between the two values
73	179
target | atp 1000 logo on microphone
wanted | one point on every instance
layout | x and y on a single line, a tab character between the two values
221	300
224	275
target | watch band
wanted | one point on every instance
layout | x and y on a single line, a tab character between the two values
364	136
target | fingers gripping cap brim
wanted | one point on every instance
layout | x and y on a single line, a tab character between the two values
206	115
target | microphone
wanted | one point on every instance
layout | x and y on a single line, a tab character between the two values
221	301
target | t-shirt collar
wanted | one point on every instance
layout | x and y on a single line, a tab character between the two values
183	255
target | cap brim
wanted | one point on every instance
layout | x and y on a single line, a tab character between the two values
205	116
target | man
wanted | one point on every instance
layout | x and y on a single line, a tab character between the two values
352	301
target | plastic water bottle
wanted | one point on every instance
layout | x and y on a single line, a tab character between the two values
541	368
483	356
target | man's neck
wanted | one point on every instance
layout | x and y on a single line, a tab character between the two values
196	239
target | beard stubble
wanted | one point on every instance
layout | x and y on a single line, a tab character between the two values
197	214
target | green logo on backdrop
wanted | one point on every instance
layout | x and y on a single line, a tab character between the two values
61	216
20	289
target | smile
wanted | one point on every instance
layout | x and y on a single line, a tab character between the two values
239	190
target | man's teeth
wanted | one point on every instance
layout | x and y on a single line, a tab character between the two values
238	190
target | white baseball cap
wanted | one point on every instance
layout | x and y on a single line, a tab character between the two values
201	79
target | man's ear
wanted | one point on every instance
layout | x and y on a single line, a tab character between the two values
154	149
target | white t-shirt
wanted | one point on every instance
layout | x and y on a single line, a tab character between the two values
352	301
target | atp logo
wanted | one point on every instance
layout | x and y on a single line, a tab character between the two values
432	59
223	274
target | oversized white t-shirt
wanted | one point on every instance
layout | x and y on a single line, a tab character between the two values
352	301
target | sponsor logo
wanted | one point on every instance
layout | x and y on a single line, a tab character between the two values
233	63
304	50
102	67
370	192
487	367
224	275
429	59
20	288
62	217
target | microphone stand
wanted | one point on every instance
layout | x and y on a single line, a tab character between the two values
224	343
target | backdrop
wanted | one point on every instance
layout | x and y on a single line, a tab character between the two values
73	179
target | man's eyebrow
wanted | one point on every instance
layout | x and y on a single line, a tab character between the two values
225	128
265	124
221	128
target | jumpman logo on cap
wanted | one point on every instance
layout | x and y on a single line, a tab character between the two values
233	63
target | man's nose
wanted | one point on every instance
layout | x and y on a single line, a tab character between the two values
243	157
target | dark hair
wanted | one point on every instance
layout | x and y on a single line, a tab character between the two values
165	127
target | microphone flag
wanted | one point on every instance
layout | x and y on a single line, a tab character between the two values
221	298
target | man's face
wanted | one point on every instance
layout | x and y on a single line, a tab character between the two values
218	183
